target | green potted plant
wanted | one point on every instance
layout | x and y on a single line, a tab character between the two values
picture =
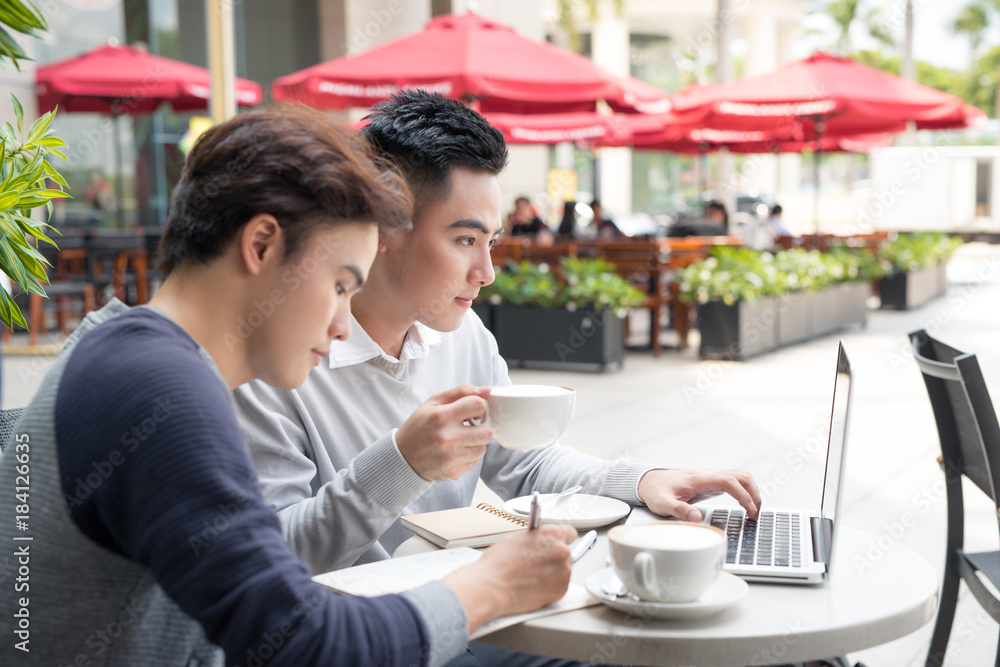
735	291
25	172
750	302
915	268
570	315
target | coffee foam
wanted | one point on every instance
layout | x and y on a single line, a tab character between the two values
529	390
670	536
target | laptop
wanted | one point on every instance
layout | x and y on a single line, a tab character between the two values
792	546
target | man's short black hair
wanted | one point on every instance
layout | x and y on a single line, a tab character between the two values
427	135
776	209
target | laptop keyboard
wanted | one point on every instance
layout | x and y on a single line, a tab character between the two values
773	539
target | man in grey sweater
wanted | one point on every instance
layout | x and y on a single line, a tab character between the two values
342	457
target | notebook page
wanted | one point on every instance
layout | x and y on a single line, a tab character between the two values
396	575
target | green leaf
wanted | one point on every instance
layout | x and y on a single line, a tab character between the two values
11	265
8	200
32	285
6	306
14	183
51	172
24	19
39	127
59	154
11	49
5	303
28	201
51	142
28	175
51	194
13	313
11	229
18	113
34	228
32	264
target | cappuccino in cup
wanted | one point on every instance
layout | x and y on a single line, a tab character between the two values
668	561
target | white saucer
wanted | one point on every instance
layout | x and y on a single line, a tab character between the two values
580	510
726	591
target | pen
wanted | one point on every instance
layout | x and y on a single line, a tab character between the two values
582	545
535	517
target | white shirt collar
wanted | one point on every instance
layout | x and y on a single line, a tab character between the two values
360	347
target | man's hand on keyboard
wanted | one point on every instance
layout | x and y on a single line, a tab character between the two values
674	492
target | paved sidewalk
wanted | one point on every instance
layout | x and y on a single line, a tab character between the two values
765	414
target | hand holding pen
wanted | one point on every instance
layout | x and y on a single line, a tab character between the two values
535	516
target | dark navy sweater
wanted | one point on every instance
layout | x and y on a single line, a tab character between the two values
154	468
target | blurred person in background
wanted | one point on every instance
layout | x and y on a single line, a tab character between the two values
524	221
716	212
777	227
568	228
606	227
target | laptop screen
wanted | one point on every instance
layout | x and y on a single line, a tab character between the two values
835	453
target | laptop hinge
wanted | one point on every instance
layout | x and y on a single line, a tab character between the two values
822	536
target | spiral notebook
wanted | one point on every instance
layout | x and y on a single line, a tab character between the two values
477	526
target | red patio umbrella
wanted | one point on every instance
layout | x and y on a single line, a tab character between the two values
860	143
821	95
469	57
124	80
679	139
587	127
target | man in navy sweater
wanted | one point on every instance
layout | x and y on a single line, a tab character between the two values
140	534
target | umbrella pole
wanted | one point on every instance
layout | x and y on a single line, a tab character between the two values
816	158
596	162
119	186
817	155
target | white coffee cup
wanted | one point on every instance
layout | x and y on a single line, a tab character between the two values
529	416
667	561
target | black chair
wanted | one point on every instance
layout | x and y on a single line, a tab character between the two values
8	420
970	448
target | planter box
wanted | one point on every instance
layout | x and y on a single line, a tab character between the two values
739	331
559	338
826	311
485	312
853	303
839	306
795	318
744	330
903	291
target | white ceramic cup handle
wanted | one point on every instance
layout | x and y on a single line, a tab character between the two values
644	573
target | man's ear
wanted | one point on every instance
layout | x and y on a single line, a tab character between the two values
389	238
261	242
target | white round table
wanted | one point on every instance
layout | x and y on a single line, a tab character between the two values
875	594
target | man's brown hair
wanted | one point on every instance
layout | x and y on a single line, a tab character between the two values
300	165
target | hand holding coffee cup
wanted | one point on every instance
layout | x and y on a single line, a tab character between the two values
668	561
529	416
